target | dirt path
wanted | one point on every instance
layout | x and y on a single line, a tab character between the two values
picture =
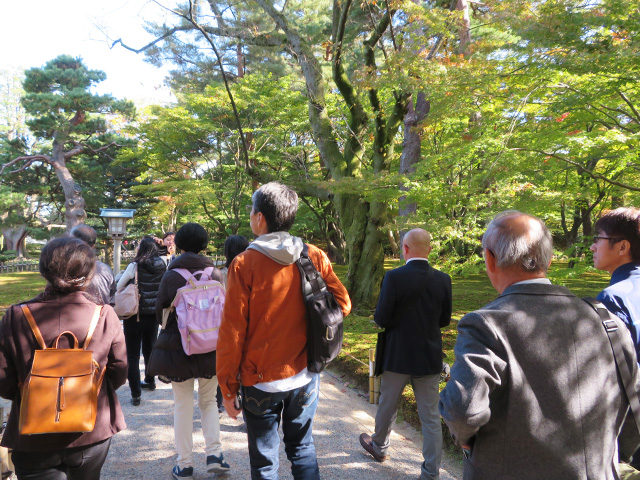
145	450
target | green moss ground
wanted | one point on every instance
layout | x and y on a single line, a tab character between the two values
18	287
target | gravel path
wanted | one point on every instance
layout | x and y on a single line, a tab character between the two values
145	450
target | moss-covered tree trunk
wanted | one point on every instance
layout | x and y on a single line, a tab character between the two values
363	221
365	245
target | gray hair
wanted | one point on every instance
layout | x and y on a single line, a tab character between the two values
518	239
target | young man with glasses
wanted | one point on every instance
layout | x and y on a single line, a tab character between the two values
616	249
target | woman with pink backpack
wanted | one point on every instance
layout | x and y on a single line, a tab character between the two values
169	359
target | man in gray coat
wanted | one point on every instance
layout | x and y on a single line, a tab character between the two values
103	286
534	391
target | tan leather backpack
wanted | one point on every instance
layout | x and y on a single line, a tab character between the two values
60	394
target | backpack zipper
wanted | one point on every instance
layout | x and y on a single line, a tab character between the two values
61	404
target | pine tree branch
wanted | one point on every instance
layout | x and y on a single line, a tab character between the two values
28	159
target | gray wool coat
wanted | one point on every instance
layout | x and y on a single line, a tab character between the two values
534	389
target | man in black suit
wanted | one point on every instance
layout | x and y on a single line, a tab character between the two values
414	304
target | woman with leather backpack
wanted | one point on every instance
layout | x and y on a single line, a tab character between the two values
61	312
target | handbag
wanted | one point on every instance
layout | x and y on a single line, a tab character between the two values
378	366
60	393
127	299
6	465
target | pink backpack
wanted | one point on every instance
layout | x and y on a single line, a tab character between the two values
198	307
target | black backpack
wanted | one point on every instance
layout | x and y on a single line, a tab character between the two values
324	316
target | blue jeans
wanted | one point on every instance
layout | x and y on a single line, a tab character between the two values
262	412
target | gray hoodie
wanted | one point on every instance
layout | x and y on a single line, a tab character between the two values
281	247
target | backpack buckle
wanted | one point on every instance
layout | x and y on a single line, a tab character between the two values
610	325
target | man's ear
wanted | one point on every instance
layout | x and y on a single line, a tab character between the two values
489	260
624	248
261	223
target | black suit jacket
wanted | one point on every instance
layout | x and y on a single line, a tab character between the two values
414	304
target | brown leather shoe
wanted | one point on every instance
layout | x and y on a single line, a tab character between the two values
367	444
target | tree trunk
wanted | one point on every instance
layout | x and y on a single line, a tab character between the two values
363	223
587	226
74	204
335	243
14	239
360	221
395	249
464	32
412	144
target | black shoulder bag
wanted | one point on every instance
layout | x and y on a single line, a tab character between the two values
324	316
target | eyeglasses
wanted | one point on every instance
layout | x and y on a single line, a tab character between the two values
611	239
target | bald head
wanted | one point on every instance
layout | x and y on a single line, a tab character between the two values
85	233
519	241
416	243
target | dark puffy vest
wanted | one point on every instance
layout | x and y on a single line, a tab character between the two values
149	276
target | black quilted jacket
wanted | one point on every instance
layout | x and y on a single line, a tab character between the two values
149	275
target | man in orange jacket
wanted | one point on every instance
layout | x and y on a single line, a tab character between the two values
262	342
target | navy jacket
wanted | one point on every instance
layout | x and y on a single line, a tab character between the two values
622	298
414	304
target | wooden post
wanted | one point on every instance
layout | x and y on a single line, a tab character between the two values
376	390
372	358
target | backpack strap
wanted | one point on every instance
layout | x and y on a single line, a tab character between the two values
184	273
34	326
208	272
36	331
92	326
626	372
190	277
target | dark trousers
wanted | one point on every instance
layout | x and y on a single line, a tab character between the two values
136	334
79	463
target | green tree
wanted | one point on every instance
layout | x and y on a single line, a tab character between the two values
72	120
347	55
